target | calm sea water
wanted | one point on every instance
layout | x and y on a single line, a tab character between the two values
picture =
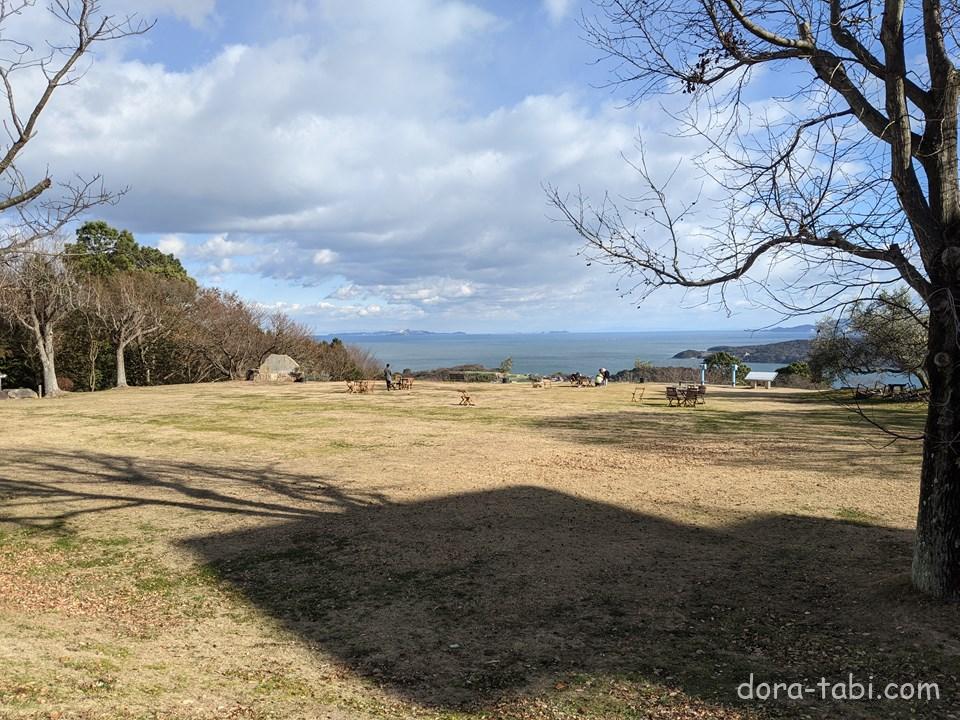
545	353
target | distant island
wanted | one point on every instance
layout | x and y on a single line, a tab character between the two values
779	352
381	333
792	329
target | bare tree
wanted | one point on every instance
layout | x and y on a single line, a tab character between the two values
133	306
24	68
38	292
228	334
848	181
94	335
172	306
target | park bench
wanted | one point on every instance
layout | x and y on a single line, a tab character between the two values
465	398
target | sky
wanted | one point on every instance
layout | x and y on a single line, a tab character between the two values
371	165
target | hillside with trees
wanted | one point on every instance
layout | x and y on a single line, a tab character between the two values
105	311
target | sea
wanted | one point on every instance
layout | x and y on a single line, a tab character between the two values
551	352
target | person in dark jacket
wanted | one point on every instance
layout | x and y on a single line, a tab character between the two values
388	377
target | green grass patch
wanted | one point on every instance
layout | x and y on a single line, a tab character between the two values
856	516
172	582
94	666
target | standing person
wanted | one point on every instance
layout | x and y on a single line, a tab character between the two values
388	377
606	376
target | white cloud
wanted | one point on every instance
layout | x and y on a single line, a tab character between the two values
221	246
346	292
324	257
329	310
225	265
172	244
195	12
355	160
557	9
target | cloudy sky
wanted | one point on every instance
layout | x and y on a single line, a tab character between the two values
371	164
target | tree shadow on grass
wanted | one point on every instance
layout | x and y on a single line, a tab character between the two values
794	437
469	600
485	600
48	489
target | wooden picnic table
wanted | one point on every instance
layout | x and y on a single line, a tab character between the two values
360	386
686	395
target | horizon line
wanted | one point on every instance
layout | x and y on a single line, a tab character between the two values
409	331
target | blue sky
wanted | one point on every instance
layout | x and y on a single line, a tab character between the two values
373	165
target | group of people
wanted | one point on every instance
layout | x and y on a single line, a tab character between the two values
600	380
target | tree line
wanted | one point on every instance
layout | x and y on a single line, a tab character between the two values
105	311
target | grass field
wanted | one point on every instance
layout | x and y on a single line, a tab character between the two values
241	551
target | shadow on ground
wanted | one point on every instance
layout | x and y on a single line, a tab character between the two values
47	490
465	601
789	436
480	600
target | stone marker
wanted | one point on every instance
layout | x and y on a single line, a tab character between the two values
18	394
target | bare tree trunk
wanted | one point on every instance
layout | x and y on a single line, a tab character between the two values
936	556
121	365
93	352
143	361
47	352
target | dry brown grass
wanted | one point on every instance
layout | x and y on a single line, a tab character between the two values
296	552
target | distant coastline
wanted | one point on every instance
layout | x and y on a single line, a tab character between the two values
798	330
547	353
784	352
793	329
